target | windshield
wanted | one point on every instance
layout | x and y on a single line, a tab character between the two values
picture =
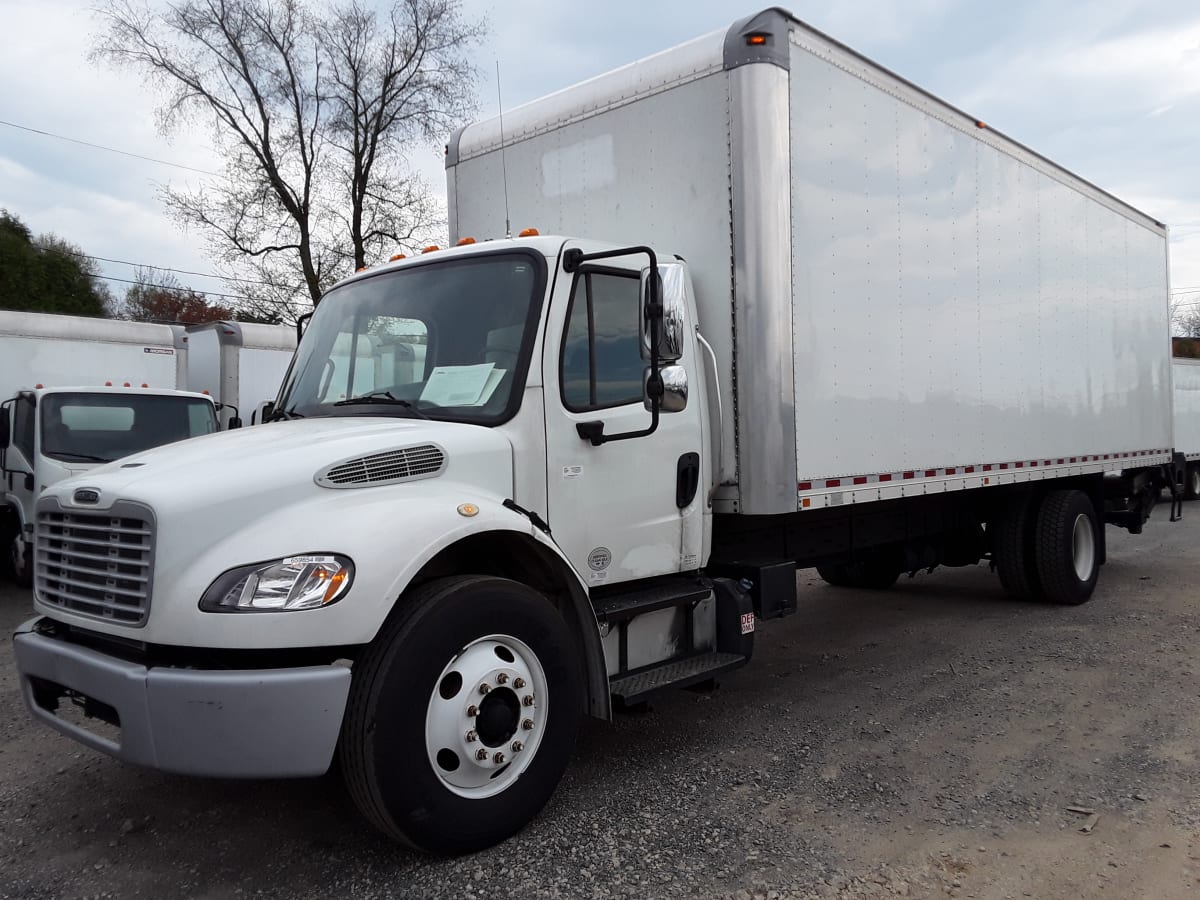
103	427
445	340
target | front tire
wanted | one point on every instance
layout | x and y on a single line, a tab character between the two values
1068	547
1191	483
21	560
416	717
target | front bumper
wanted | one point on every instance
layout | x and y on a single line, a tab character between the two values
254	723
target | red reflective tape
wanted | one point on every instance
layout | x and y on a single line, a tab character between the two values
987	467
1073	459
929	473
860	479
910	474
804	486
1019	465
833	482
1047	462
1003	465
885	477
969	469
1061	461
1033	463
950	472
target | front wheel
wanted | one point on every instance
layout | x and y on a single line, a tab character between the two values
21	558
1191	483
462	714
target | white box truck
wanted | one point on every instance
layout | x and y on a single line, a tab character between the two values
1186	376
78	392
241	364
813	316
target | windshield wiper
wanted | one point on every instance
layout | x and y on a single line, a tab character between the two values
75	457
284	414
383	397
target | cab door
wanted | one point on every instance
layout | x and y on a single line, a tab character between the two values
625	509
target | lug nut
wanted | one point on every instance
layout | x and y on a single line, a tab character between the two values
527	699
517	746
502	678
472	737
484	688
519	683
481	754
527	724
498	758
472	711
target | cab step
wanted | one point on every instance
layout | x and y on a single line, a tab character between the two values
620	606
678	673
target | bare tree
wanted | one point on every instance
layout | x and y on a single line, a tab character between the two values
313	112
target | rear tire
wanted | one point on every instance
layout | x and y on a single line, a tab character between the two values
1013	547
409	738
1068	551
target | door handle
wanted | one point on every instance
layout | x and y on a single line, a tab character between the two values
687	479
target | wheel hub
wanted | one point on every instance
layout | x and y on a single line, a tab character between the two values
1083	547
499	717
485	716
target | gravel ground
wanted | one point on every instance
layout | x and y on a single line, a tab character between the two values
924	741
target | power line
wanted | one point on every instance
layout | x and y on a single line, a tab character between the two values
62	137
136	265
166	287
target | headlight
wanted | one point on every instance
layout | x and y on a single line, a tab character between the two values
296	582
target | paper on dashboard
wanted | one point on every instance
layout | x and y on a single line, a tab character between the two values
458	385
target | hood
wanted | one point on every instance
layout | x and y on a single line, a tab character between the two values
266	466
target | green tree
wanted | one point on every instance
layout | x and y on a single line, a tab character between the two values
46	274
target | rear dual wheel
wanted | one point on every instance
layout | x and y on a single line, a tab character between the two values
1048	548
1191	483
462	714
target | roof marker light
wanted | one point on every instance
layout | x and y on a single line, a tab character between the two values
127	384
108	384
462	242
528	232
432	248
756	40
979	124
38	386
361	269
145	385
398	256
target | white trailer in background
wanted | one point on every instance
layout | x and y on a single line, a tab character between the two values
240	364
1186	374
793	312
77	392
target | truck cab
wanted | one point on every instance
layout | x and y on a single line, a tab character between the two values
51	434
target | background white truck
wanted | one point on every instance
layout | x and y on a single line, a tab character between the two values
77	392
240	364
819	318
1186	374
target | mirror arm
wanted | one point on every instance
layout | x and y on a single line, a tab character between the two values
593	432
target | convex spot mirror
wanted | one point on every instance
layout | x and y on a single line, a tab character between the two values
672	288
675	389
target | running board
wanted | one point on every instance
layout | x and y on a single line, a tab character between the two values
682	673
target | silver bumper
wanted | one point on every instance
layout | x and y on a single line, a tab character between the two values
257	723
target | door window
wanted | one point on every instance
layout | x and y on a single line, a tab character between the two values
601	357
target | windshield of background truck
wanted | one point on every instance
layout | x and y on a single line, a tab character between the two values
103	427
445	340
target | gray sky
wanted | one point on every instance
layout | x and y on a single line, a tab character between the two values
1108	88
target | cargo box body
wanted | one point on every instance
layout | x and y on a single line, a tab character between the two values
1187	407
240	364
901	299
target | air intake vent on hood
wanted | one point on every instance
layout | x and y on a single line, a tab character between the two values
389	467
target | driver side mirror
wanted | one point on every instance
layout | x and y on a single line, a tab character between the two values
5	427
234	422
670	323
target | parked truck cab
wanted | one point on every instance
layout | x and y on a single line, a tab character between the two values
521	480
51	434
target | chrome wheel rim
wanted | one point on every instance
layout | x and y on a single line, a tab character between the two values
1083	547
486	716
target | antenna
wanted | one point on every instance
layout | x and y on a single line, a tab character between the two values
503	165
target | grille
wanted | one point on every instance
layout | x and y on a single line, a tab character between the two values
96	564
405	464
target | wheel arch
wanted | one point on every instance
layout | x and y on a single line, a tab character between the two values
523	558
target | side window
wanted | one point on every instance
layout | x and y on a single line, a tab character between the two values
23	421
601	360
